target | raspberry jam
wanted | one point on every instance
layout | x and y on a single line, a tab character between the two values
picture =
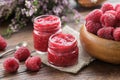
44	27
62	50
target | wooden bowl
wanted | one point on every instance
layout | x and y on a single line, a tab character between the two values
103	49
89	3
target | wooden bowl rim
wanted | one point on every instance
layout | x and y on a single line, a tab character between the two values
95	36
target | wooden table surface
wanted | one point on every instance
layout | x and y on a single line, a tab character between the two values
97	70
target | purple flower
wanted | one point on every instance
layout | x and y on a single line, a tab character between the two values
26	10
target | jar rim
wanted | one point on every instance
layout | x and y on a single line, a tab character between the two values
42	16
72	43
48	25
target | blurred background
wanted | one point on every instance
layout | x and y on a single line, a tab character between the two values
16	14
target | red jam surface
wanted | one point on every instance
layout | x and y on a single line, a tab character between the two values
62	50
44	27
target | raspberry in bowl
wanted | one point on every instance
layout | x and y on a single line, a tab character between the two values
44	27
62	50
101	37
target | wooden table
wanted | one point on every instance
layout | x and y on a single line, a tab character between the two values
97	70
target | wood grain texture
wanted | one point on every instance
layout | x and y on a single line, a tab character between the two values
97	70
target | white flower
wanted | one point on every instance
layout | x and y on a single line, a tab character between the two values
28	4
94	1
31	12
23	11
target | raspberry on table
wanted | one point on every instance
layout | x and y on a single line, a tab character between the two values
117	8
93	27
22	54
11	65
33	63
116	34
106	32
106	7
3	43
94	15
108	19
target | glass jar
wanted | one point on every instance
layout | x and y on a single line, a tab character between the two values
44	27
62	50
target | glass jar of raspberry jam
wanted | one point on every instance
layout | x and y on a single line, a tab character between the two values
44	27
62	50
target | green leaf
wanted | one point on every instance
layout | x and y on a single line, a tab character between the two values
35	3
7	33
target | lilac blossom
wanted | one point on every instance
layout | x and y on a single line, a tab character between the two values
27	10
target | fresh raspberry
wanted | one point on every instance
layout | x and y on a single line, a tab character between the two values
22	54
11	65
116	34
93	27
33	63
117	8
117	23
94	15
107	7
111	12
108	19
3	43
106	32
118	16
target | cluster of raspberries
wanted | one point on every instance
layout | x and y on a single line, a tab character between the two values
11	64
105	22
